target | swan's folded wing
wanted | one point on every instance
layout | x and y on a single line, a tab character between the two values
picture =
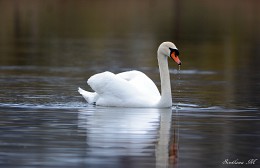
109	84
113	90
141	81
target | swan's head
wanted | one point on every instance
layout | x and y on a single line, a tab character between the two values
170	50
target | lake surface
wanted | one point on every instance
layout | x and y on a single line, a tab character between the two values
49	49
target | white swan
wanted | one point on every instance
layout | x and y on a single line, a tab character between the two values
134	88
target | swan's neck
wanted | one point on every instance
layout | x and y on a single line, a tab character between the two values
166	94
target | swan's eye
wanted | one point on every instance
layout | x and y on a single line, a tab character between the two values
174	50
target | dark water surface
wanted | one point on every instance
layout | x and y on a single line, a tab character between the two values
48	49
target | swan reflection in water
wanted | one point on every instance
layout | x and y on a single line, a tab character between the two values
132	136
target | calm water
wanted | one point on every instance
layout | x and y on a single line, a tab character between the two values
48	49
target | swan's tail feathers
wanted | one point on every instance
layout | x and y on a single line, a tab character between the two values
89	96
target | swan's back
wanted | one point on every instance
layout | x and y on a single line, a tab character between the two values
141	81
131	89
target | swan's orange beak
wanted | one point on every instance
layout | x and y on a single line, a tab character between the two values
176	58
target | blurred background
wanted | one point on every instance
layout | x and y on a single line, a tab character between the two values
50	47
228	29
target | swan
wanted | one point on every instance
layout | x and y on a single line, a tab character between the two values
134	88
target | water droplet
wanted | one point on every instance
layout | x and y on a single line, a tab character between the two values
179	85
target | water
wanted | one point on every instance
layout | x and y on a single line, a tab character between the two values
49	49
46	123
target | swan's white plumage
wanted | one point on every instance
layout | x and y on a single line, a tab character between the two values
132	88
126	89
90	97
